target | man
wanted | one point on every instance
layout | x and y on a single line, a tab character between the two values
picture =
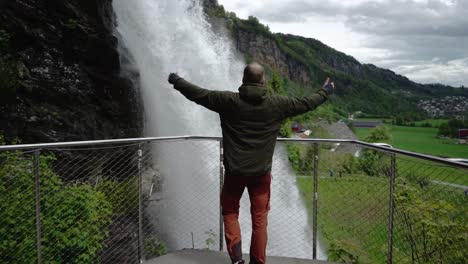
250	122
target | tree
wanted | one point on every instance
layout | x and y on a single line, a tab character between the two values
450	129
431	231
253	20
274	86
444	130
379	134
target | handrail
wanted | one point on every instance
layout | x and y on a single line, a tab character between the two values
217	138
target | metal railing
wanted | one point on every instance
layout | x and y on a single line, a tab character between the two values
127	200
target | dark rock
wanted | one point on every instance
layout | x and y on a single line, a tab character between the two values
68	67
265	50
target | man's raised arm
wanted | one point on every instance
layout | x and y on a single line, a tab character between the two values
213	100
296	106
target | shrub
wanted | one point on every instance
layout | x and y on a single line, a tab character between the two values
379	134
418	179
122	195
154	247
74	217
433	230
294	157
343	252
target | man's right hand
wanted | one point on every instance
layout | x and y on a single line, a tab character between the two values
173	78
329	86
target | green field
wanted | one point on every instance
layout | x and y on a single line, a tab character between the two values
385	120
353	214
421	139
433	122
353	208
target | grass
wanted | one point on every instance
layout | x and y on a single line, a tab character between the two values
433	122
353	212
384	120
421	139
432	170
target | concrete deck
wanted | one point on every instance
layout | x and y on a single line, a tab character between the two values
190	256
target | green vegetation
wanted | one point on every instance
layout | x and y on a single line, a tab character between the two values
154	247
122	195
210	240
351	215
450	128
430	122
71	24
430	223
74	217
422	140
379	134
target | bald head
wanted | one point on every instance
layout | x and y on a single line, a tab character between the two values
254	73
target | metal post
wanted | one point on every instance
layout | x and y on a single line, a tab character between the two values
391	208
221	183
38	205
315	209
140	206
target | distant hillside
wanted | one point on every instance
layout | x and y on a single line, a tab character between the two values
305	62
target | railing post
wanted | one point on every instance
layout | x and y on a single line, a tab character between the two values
140	205
391	208
221	183
37	187
315	209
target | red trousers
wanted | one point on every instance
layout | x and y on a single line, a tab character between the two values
259	193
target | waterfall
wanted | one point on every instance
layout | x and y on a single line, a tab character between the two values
163	36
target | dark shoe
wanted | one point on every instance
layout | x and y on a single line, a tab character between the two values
239	262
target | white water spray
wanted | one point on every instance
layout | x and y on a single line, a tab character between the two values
164	36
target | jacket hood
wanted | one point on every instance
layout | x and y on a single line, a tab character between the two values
252	92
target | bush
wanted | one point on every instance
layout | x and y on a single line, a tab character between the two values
122	196
379	134
294	157
350	165
154	247
433	231
343	252
418	179
74	217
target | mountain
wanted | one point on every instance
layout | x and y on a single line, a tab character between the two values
306	62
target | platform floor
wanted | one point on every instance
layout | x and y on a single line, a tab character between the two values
190	256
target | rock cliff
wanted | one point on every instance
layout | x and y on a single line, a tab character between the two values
65	67
266	51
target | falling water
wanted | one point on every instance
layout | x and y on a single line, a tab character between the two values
163	36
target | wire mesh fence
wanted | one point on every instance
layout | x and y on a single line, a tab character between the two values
126	202
431	212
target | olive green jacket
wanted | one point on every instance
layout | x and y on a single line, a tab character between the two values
250	121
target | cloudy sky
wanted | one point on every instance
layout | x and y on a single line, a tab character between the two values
425	40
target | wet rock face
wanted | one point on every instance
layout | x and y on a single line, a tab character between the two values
68	73
265	50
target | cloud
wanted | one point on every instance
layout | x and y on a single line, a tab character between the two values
453	72
415	31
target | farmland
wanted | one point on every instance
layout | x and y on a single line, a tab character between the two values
421	139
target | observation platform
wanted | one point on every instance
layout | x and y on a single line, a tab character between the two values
191	256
